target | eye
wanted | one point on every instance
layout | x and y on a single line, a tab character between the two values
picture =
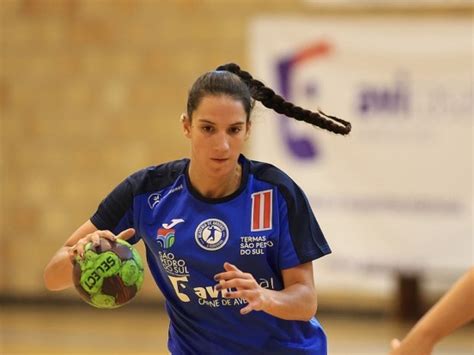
207	129
235	130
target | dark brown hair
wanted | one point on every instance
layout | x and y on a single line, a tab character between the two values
230	80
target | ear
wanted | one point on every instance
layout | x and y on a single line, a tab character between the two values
186	125
248	129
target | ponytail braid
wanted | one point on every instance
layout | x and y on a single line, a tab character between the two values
270	99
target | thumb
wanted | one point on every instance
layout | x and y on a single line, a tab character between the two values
395	344
126	234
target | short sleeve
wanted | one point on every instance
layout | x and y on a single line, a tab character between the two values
301	238
115	212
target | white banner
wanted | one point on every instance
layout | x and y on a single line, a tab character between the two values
397	192
344	4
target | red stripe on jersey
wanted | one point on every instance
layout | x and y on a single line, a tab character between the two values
261	210
266	212
256	211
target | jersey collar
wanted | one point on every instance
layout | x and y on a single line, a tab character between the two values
243	161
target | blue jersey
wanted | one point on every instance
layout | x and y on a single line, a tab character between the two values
264	227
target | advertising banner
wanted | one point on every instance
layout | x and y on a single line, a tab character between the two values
396	194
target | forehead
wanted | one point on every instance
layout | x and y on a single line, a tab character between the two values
220	108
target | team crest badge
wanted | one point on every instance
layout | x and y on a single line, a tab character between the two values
165	236
211	234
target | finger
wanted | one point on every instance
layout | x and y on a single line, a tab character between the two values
79	249
72	254
228	275
244	294
105	234
235	283
126	234
395	344
230	267
246	310
95	239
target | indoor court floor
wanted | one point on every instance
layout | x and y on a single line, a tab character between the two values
81	329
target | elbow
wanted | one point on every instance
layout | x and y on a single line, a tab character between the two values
309	300
306	317
311	311
314	310
313	305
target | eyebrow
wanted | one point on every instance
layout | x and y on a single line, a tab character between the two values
213	123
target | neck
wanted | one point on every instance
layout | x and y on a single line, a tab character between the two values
210	187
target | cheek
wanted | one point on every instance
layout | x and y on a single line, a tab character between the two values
198	143
238	143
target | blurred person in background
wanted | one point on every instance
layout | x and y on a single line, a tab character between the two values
453	310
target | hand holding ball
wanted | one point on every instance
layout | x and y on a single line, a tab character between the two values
108	275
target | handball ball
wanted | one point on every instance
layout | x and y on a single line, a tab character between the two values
109	275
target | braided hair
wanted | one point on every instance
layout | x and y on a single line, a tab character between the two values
229	79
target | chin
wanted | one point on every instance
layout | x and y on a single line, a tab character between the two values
222	168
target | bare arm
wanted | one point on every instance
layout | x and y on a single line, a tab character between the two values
453	310
297	301
58	273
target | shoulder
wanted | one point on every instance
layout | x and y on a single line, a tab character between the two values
271	174
281	181
304	231
156	177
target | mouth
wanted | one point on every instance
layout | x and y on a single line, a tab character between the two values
219	160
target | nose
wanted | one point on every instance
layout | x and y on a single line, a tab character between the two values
221	142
